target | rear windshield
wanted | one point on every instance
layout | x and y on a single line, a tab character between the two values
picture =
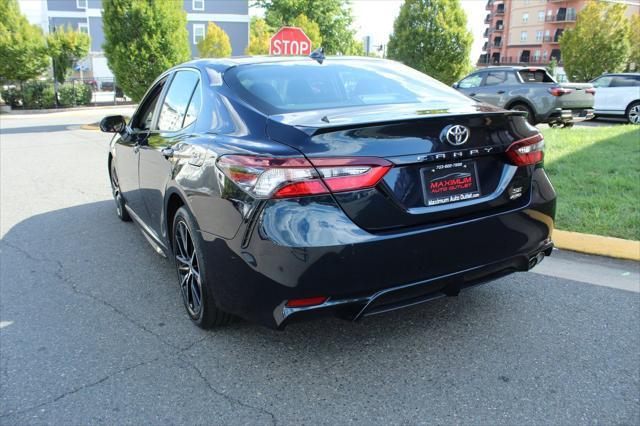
537	76
282	87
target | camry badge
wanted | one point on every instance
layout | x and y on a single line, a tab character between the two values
455	135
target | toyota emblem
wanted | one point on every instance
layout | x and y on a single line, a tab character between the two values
455	135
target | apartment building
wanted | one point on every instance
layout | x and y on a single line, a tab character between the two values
523	32
86	15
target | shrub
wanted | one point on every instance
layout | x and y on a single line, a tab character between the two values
12	97
72	94
67	95
38	94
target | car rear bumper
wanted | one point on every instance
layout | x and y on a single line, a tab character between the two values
571	115
294	249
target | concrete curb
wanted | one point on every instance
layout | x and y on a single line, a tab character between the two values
50	110
598	245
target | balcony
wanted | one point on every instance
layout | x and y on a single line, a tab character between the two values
515	60
485	47
487	19
486	33
565	17
489	5
497	43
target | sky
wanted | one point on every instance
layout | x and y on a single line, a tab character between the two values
372	17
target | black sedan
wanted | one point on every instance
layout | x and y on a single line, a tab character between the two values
286	188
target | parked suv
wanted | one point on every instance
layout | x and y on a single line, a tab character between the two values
531	90
618	95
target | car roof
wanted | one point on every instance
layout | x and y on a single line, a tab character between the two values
509	68
222	64
619	74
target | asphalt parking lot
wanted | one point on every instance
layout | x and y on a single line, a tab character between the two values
92	328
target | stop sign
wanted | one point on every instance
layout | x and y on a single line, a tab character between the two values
290	41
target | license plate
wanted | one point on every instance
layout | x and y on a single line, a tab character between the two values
450	183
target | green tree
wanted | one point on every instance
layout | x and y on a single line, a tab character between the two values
66	47
431	36
634	38
334	19
310	28
215	44
143	38
598	43
553	67
259	36
23	54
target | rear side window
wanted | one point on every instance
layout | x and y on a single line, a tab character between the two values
500	77
535	76
624	81
174	107
306	85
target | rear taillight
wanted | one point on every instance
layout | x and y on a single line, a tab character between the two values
559	91
526	151
592	91
264	177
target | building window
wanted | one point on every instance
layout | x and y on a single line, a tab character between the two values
523	36
538	35
536	54
525	17
198	33
83	27
197	4
81	4
545	54
541	16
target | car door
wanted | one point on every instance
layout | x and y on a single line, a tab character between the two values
624	89
166	142
495	87
127	148
470	85
604	99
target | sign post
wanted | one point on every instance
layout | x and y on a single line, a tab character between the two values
290	41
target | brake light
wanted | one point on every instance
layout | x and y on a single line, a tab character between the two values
265	177
592	91
559	91
310	301
526	151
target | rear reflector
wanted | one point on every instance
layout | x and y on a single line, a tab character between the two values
264	177
559	91
310	301
526	151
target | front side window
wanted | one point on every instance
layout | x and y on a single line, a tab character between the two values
602	81
471	82
143	119
198	33
302	85
174	107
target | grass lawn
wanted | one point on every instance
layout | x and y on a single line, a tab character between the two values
596	173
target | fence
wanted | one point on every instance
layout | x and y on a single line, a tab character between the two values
104	91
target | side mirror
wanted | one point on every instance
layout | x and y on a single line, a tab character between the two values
113	124
454	85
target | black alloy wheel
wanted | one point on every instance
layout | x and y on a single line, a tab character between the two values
192	273
122	213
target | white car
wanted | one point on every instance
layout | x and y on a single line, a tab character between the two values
618	95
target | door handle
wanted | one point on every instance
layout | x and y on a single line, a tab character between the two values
167	152
500	92
472	95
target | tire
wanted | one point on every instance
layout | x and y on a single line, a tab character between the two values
523	107
192	273
568	125
633	113
121	211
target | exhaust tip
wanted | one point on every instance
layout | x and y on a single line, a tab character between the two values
536	259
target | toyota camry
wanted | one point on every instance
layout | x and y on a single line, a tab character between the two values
294	187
